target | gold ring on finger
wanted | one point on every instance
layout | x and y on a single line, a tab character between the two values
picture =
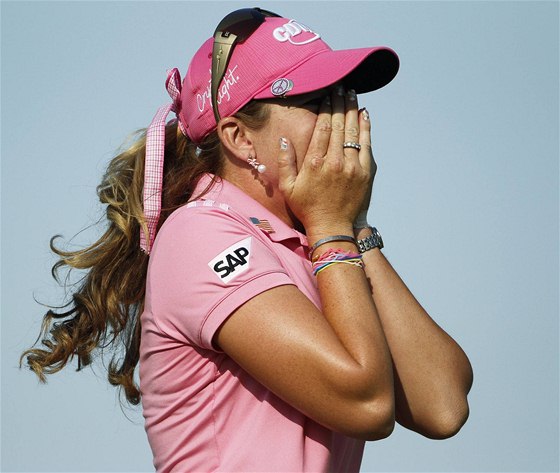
352	144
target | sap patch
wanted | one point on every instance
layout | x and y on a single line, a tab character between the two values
233	261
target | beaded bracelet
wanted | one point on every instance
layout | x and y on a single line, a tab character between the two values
330	257
322	241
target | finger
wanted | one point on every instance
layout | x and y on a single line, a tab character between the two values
287	167
365	155
336	142
319	142
351	124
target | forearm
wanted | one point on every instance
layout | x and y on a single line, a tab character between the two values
348	307
432	373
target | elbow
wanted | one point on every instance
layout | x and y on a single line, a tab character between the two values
373	420
380	429
452	414
376	409
448	422
365	407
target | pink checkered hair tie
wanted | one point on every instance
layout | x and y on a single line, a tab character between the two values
155	151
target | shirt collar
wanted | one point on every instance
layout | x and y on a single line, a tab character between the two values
226	192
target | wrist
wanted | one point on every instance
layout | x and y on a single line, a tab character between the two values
319	232
361	220
360	233
321	238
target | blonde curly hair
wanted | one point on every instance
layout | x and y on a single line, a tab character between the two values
104	312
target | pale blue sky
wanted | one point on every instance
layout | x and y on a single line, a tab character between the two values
466	197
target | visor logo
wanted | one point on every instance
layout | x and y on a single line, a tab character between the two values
230	79
281	86
291	32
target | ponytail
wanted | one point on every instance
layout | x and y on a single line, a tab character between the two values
104	312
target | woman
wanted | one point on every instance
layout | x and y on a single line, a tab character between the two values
272	334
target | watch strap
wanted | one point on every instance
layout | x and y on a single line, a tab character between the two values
370	242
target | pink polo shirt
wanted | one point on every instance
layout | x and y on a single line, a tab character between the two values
204	413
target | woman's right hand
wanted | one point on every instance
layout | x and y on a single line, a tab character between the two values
329	189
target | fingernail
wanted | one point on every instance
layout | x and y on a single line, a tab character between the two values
340	90
283	143
365	114
352	95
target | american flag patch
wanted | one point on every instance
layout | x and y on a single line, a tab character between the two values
264	225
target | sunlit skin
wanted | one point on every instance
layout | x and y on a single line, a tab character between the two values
370	356
294	118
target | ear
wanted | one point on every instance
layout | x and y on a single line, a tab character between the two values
236	138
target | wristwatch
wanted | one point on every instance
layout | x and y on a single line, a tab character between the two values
370	242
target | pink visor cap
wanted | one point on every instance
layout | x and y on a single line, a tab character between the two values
282	57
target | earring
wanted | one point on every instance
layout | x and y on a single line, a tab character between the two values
260	168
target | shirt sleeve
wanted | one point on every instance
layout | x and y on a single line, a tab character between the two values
207	262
